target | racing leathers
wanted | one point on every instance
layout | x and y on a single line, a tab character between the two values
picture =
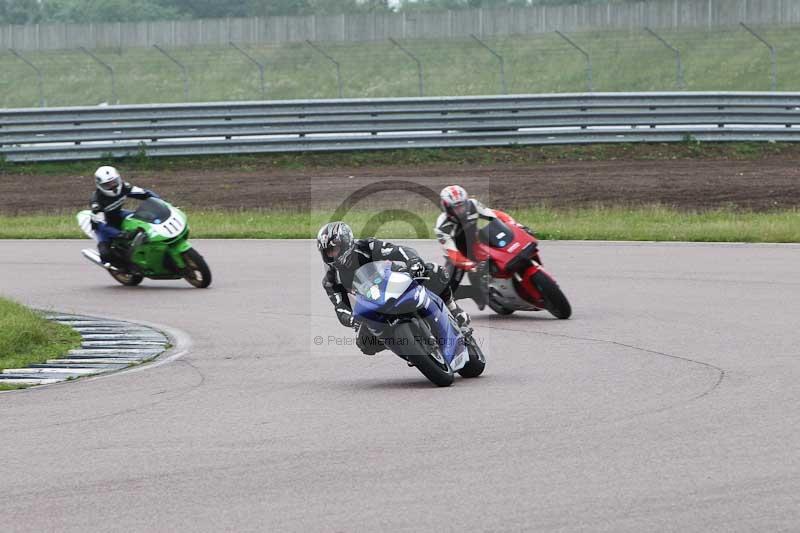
338	282
458	236
108	214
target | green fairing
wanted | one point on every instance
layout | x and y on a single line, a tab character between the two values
157	247
150	256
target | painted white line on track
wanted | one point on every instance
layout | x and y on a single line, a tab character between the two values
26	381
60	370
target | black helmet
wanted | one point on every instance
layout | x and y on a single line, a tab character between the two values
335	243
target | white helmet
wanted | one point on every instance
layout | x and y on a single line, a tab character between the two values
454	200
108	181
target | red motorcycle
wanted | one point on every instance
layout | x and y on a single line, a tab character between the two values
511	277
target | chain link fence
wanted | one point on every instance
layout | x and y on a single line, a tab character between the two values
639	59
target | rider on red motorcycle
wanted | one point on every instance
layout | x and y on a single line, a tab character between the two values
457	229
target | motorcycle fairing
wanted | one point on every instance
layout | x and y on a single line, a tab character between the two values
384	296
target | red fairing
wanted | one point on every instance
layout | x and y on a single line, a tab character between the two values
460	260
505	217
510	245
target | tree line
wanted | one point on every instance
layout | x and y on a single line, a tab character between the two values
39	11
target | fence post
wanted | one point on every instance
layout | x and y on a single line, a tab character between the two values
771	55
585	55
332	60
182	67
678	65
258	64
416	60
39	75
110	69
503	86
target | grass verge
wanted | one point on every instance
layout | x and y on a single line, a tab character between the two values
27	338
656	223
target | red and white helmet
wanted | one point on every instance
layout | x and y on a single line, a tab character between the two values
454	200
108	181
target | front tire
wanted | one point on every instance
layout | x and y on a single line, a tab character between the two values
410	347
196	272
126	278
555	300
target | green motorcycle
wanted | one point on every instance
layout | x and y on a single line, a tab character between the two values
159	247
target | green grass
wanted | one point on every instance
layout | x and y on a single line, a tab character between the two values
656	223
27	338
727	59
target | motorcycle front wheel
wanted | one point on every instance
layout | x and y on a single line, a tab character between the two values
196	272
555	300
409	343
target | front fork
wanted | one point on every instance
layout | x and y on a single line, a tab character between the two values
176	254
526	288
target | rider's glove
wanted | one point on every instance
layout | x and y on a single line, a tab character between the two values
417	268
467	265
345	316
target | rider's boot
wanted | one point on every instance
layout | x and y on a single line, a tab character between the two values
462	317
106	256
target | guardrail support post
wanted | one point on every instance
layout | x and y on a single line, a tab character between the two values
416	60
332	60
183	68
257	63
679	80
771	54
585	55
110	69
503	86
39	75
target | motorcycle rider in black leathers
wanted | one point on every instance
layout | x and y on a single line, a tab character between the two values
343	255
107	213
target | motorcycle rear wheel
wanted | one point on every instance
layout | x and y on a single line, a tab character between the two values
126	278
476	363
499	309
555	300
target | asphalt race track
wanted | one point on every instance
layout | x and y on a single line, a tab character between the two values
670	402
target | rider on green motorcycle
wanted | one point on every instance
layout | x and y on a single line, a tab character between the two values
107	213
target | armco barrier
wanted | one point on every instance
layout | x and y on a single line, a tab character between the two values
368	124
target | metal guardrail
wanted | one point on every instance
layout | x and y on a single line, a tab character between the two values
368	124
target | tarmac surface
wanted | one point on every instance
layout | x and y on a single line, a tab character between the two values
669	402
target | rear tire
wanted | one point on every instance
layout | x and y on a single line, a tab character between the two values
476	363
499	309
196	272
555	301
126	278
419	355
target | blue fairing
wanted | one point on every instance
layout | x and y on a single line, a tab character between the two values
379	309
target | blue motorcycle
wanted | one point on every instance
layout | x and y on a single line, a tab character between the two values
414	323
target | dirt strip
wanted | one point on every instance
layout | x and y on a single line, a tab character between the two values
772	182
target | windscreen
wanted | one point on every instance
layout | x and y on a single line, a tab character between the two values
496	234
152	211
370	275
